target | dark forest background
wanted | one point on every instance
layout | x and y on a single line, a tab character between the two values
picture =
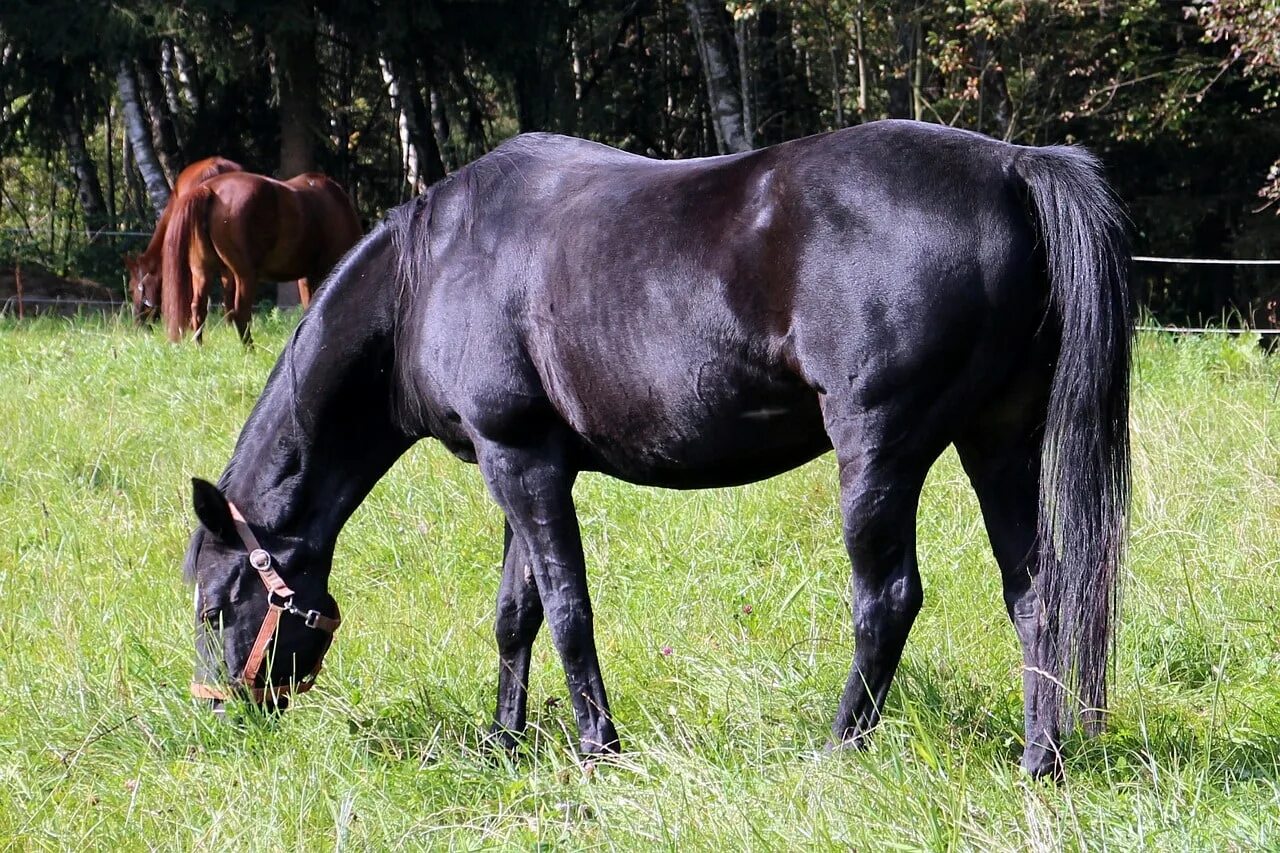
102	103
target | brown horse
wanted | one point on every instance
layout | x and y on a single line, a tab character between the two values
144	269
252	227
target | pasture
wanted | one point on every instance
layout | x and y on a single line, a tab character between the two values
722	618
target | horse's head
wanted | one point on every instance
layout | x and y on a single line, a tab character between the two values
144	286
264	618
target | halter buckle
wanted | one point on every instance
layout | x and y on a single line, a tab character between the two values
260	559
311	618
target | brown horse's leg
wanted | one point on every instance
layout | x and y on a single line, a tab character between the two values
237	263
199	301
242	314
228	295
304	291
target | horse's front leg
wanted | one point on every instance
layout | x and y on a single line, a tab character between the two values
518	620
533	483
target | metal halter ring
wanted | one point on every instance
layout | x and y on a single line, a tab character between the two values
260	559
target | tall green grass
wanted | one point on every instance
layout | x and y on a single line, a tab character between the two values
101	426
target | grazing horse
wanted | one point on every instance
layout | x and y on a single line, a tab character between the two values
250	227
144	269
560	306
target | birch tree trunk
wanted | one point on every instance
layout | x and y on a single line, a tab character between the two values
421	132
138	132
418	146
860	48
88	187
169	78
408	153
163	133
715	50
189	79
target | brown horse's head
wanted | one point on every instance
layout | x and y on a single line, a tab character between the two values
144	286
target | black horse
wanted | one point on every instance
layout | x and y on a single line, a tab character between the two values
559	306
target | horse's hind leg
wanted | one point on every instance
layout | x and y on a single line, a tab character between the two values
883	463
242	313
533	483
199	301
518	621
238	267
1003	464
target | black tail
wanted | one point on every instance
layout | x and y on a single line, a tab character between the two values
1084	480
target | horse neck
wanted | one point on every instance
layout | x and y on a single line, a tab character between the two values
325	429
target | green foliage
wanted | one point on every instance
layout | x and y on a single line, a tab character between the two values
1178	99
99	745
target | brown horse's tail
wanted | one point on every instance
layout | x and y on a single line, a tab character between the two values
176	295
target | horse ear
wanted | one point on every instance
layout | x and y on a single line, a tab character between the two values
212	509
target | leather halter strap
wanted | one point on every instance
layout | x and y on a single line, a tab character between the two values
279	601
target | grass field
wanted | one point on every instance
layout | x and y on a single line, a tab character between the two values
722	618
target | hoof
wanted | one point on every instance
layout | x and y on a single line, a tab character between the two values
502	741
1041	763
602	746
851	743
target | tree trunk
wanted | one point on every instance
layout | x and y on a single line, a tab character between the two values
421	132
408	153
109	150
88	188
742	37
139	134
297	79
473	132
419	150
860	47
837	75
899	82
162	129
708	19
917	70
173	100
189	79
772	103
443	132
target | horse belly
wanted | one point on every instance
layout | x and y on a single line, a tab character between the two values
706	440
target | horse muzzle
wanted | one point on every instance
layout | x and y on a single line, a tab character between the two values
280	603
250	683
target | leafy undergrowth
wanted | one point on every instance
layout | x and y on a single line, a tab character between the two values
722	623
